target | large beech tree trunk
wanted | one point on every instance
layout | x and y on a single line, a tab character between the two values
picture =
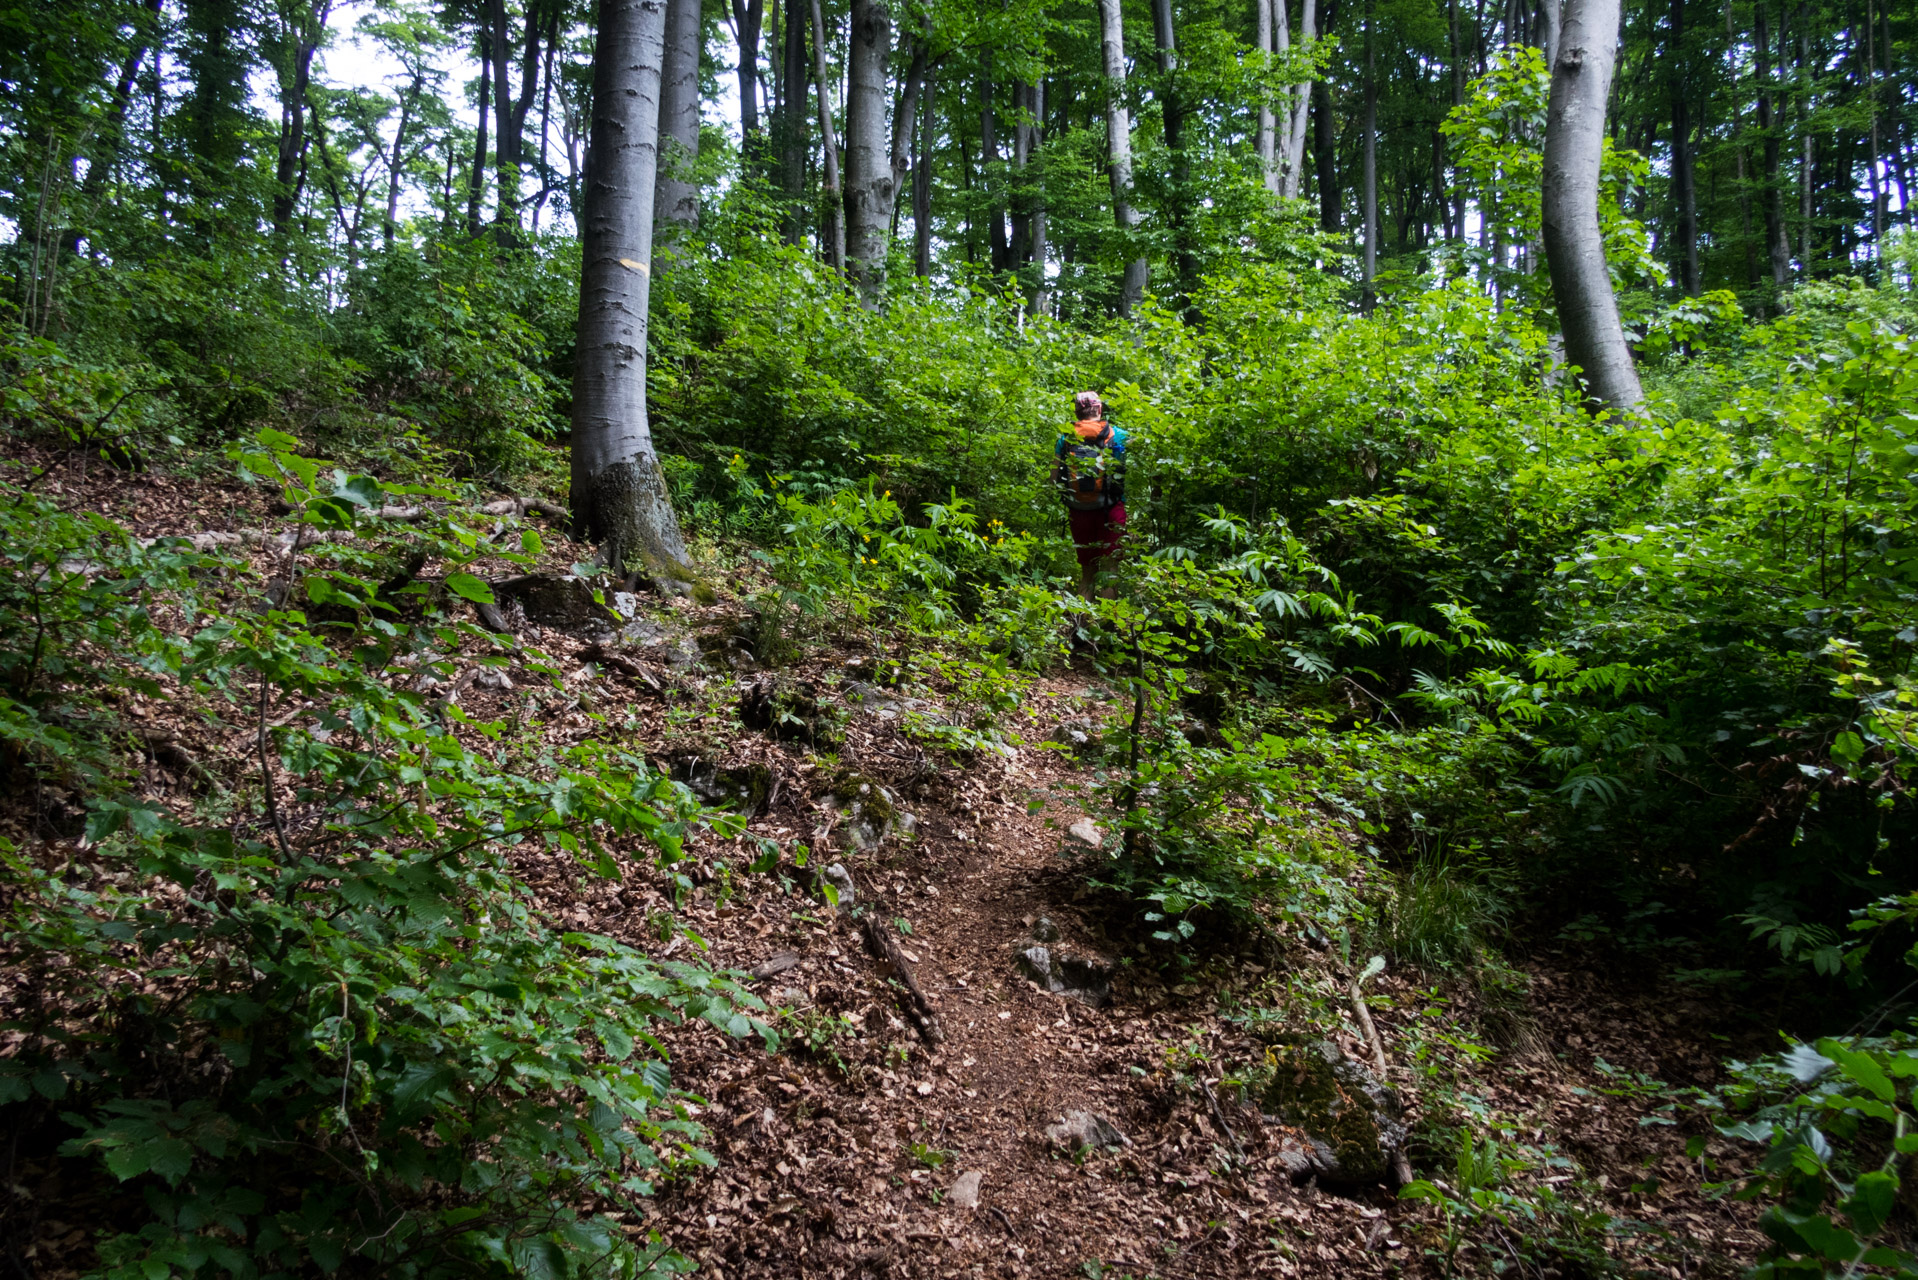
1292	140
1266	140
677	198
1574	246
1119	145
619	494
870	182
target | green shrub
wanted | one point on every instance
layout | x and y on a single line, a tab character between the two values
321	1023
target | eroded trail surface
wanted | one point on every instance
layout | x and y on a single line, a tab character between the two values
840	1160
864	1150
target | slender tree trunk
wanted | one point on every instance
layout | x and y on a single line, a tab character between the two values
1550	28
1777	249
794	133
1370	176
1325	159
546	115
833	234
1037	302
922	181
476	186
1574	245
292	145
676	203
870	185
748	15
1739	148
619	494
105	150
1807	159
1119	146
1878	193
1298	112
1267	140
1179	196
990	179
1684	180
396	160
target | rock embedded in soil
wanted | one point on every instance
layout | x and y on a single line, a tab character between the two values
1081	1131
562	601
841	881
1340	1106
965	1192
1086	833
1087	981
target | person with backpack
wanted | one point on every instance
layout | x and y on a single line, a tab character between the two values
1090	475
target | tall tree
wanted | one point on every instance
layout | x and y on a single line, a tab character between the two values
748	15
1777	248
833	233
1119	146
1265	141
1574	245
1298	112
1178	198
677	200
619	496
1369	175
1684	179
870	182
791	130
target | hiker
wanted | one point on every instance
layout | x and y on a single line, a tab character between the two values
1090	475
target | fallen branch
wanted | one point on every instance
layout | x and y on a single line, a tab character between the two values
1218	1116
879	941
617	661
1401	1167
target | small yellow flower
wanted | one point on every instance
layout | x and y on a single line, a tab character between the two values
888	493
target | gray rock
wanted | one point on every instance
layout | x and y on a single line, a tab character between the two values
1350	1119
841	880
1080	736
492	678
1085	1131
1087	981
1085	832
666	645
965	1192
1045	931
562	601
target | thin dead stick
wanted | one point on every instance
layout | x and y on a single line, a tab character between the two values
1401	1167
1218	1114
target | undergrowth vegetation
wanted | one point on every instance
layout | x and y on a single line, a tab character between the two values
1405	654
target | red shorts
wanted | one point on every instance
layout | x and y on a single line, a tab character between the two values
1096	534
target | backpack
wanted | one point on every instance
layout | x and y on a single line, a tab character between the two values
1087	474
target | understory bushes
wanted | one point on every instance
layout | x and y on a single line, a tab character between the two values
310	1019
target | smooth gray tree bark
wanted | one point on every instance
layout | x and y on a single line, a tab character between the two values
1298	113
1119	145
870	182
1266	139
677	199
619	496
1574	246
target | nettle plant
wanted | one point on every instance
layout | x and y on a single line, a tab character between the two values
320	1024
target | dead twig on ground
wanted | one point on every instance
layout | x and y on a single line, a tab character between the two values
1401	1167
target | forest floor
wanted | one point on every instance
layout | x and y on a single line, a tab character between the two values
851	1152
